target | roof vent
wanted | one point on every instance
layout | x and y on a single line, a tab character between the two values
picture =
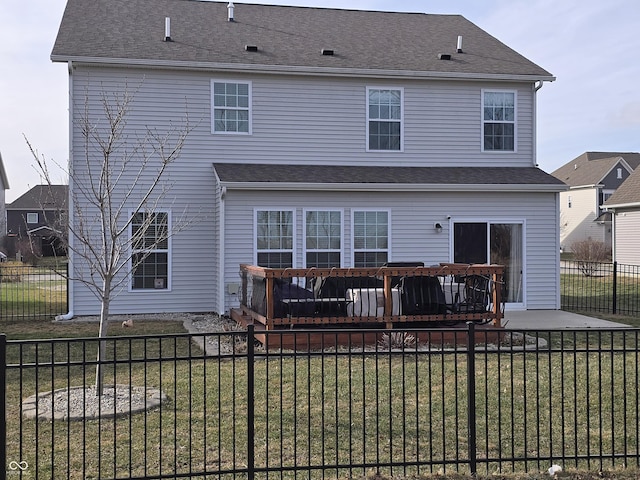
444	56
167	29
251	48
230	11
326	51
459	47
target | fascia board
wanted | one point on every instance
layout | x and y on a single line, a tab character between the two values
298	70
389	187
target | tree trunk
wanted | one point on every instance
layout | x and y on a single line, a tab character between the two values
102	344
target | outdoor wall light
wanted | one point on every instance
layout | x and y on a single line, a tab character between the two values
438	227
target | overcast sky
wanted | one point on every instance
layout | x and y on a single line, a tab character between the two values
592	47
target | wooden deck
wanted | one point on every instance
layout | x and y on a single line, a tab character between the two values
278	300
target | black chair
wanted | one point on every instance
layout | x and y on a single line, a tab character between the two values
422	295
476	295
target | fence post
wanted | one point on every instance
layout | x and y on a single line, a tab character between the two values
3	406
615	287
471	396
250	403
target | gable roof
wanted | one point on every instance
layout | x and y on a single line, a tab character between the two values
288	40
42	197
3	175
282	177
627	194
591	167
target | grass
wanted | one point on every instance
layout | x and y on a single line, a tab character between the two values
355	409
27	291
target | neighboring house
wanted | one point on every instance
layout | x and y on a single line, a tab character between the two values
624	205
322	137
592	178
34	221
4	185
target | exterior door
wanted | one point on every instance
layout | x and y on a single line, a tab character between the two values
493	242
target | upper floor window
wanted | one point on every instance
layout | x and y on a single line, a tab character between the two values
32	217
499	121
619	172
370	238
150	245
384	119
323	238
274	238
231	106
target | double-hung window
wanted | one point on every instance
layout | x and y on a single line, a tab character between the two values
231	107
323	238
274	238
384	119
150	251
370	238
498	121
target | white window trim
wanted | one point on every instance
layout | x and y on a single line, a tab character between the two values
168	250
515	121
401	90
353	231
255	232
304	233
30	216
250	109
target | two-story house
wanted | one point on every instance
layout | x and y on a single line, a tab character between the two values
321	137
592	178
33	221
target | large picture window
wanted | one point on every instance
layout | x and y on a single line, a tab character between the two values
150	248
323	238
384	119
231	107
370	238
499	121
274	238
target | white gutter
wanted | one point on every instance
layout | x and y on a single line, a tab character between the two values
390	187
70	289
297	69
622	205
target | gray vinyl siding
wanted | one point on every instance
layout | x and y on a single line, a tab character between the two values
627	237
413	237
298	120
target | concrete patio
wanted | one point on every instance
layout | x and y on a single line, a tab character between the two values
547	319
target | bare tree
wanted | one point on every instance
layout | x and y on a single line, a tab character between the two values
116	188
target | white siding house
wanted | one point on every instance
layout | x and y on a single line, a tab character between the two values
376	143
624	205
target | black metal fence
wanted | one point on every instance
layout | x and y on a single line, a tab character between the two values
448	400
28	291
609	288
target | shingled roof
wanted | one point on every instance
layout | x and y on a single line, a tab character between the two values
591	167
287	39
379	178
627	194
42	197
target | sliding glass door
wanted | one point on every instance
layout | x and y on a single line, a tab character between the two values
493	242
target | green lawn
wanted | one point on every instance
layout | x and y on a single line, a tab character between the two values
350	406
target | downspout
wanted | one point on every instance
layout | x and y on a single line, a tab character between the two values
70	289
536	86
221	232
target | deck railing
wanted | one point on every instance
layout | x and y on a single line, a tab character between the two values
372	297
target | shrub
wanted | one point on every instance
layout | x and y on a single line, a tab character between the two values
10	272
589	254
